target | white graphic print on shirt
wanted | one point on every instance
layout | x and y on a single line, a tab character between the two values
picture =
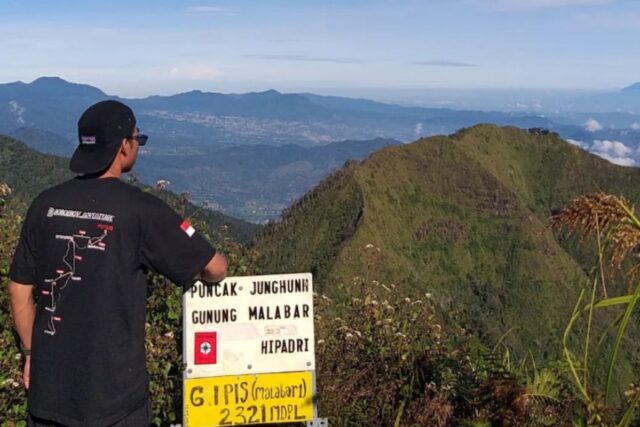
76	244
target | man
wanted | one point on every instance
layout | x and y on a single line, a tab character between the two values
86	246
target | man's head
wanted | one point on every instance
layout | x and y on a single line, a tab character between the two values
108	136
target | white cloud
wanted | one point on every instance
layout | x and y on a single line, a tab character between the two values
622	161
614	151
635	126
18	111
344	60
616	148
208	9
194	72
610	20
577	143
540	4
444	63
418	129
592	125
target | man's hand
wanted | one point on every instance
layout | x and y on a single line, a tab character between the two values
26	372
216	270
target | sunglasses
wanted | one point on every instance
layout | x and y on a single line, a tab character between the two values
141	138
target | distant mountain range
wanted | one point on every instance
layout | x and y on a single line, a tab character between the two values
188	128
626	100
204	119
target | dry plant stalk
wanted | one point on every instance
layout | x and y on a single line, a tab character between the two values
612	217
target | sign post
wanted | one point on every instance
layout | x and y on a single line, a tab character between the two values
249	351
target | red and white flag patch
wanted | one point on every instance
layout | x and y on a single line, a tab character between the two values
206	348
187	228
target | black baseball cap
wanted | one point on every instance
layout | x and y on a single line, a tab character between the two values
101	129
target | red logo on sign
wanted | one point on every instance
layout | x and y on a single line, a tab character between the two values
206	348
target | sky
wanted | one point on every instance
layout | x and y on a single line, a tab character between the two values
138	48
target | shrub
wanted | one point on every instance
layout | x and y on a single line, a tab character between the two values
388	359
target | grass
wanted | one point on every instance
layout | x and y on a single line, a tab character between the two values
616	228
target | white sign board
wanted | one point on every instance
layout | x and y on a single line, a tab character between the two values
249	325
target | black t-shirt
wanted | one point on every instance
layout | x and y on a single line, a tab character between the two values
87	245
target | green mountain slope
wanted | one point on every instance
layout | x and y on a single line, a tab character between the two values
462	217
45	141
28	172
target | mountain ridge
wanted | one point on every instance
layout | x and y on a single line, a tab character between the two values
269	104
255	182
461	217
634	88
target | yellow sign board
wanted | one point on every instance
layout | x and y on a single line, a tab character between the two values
248	399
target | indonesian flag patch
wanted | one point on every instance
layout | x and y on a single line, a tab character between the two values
206	348
187	228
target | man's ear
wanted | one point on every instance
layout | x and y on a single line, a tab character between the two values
125	147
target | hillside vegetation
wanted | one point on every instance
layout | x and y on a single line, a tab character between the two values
463	218
28	172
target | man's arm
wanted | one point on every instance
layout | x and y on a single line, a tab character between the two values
23	310
216	269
